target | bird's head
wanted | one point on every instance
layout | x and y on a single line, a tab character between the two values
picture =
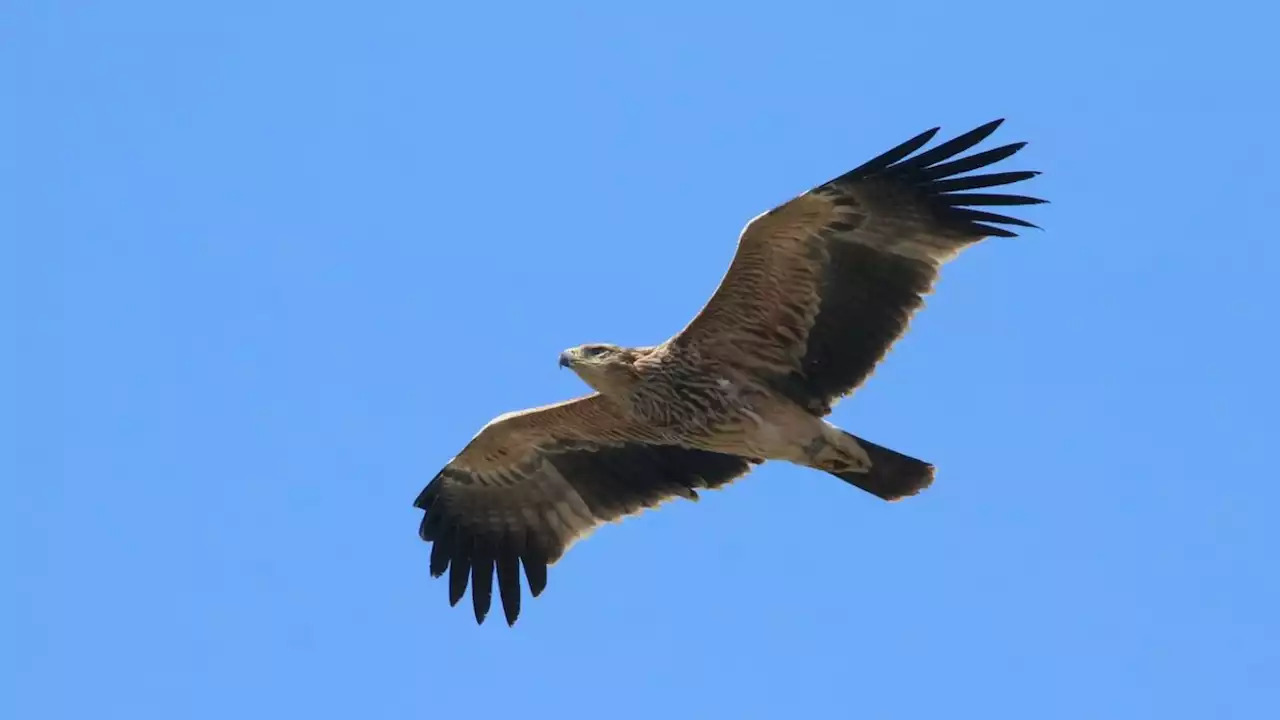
608	369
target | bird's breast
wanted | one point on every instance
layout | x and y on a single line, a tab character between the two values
691	406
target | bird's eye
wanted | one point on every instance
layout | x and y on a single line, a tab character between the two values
596	351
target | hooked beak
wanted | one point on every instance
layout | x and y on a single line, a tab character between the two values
566	359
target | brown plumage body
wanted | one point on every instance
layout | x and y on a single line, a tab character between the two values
684	399
818	291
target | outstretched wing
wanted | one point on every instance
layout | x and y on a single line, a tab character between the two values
532	483
822	286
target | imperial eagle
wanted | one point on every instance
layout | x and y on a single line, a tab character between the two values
819	289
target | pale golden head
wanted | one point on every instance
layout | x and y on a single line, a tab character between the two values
608	369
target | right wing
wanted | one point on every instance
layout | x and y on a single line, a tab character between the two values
532	483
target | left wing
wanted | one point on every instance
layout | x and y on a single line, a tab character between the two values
532	483
821	286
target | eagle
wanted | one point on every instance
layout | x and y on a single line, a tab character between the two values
819	289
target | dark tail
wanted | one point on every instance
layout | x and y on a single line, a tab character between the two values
892	476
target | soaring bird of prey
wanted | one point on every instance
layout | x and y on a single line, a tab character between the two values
819	289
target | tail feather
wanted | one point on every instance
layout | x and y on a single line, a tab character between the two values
892	475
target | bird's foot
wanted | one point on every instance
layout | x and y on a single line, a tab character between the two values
832	458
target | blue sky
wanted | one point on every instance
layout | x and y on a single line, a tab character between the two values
267	266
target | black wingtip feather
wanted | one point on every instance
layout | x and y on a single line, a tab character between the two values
959	199
459	575
952	147
432	522
981	229
535	570
508	568
481	580
897	153
441	553
972	162
424	497
981	216
933	173
974	182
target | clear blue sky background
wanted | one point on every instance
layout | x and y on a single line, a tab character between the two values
268	265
